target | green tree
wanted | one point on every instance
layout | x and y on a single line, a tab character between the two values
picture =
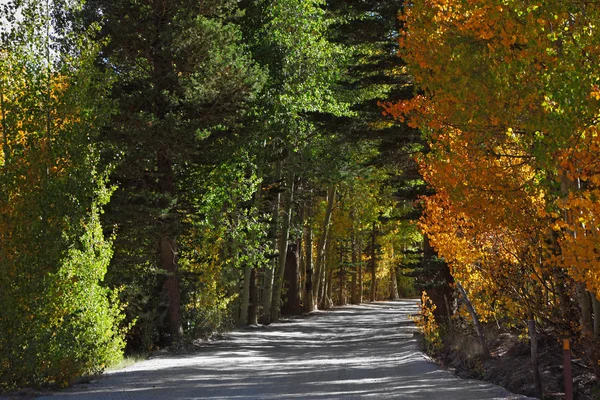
182	81
57	320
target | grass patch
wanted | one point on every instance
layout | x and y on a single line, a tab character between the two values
127	361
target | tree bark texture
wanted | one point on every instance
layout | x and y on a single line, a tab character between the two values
342	277
309	302
535	358
245	297
168	248
253	306
283	248
292	305
323	242
373	265
267	296
596	307
475	318
360	274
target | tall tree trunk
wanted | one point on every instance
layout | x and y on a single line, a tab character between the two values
342	276
245	300
360	274
253	306
168	250
267	297
535	358
394	279
291	305
394	283
353	287
283	248
329	291
475	318
323	241
302	270
596	307
310	277
585	309
323	282
373	265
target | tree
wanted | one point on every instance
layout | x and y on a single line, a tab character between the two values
57	320
182	81
465	59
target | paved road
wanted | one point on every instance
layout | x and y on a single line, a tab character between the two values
354	352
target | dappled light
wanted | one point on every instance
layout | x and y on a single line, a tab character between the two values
366	351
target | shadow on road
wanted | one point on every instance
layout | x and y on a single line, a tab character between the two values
353	352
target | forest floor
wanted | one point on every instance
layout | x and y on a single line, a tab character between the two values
352	352
510	364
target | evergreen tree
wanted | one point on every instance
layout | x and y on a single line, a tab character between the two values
182	81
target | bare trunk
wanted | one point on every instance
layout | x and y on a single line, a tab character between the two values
323	241
245	300
585	309
360	275
475	318
253	309
353	286
168	250
394	279
373	266
291	304
329	292
301	272
394	284
168	257
310	277
596	307
323	283
342	276
535	358
283	248
267	298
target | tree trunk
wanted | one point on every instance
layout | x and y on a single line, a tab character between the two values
323	283
353	287
596	307
373	265
329	292
168	250
360	274
342	276
394	283
283	248
310	277
535	358
302	271
253	309
585	308
245	300
323	241
267	297
394	279
291	305
475	318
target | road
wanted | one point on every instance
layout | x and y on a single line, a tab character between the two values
353	352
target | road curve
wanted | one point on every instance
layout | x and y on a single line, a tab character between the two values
353	352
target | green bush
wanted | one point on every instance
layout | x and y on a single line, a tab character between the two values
56	326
